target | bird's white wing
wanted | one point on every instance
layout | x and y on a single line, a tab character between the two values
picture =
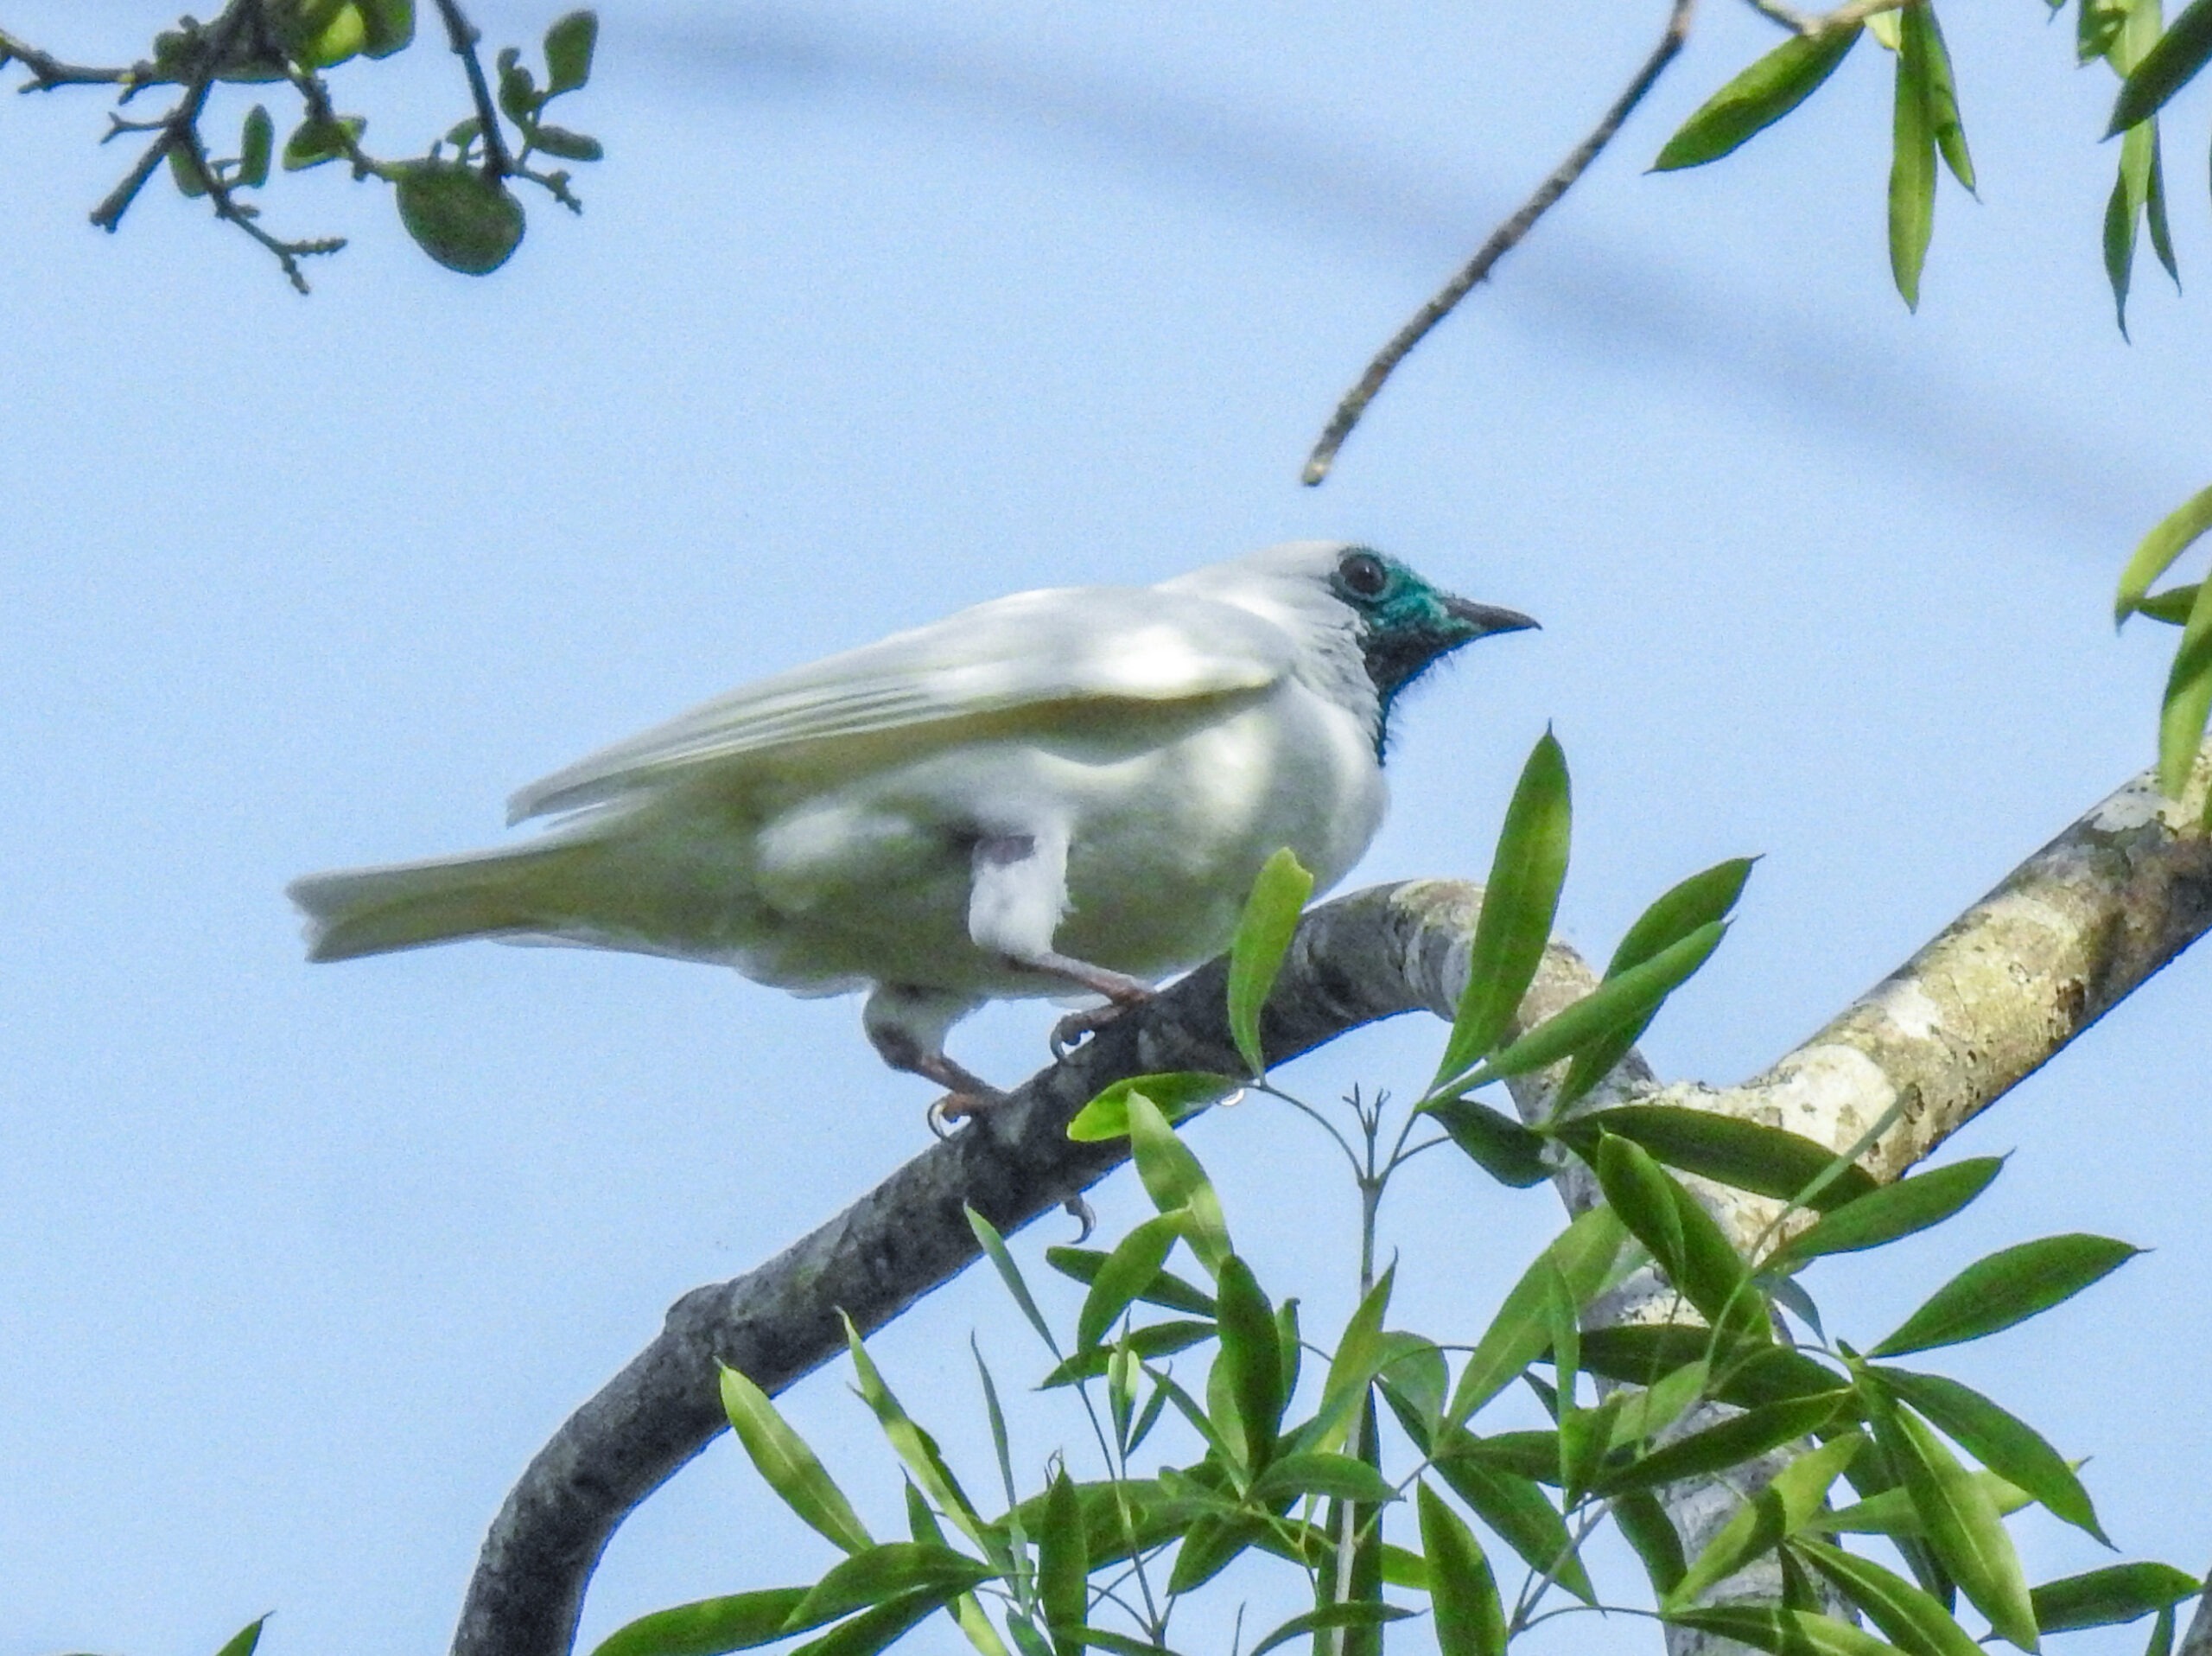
1084	644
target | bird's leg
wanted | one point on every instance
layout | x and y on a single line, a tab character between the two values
907	1027
1018	894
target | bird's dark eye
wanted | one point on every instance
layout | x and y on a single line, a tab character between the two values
1363	572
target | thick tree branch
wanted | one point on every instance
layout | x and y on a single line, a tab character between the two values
2073	930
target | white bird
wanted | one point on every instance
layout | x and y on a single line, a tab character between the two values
1058	791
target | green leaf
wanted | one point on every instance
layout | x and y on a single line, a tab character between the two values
568	146
1734	1440
2162	1634
1584	1253
1650	1411
1756	98
890	1570
1747	1370
1414	1372
1962	1523
1152	1340
388	26
315	142
914	1446
1894	1211
1178	1093
2007	1287
876	1629
458	217
184	173
2004	1443
2188	699
1496	1143
2172	606
1698	900
2124	208
1942	90
993	1246
1360	1352
1255	954
1586	1436
708	1627
1790	1500
1462	1592
569	46
1064	1566
1210	1545
1339	1477
2175	532
1743	1155
2097	26
2165	68
256	143
1176	1183
2104	1597
1912	163
1622	1002
1519	903
1915	1621
518	95
1128	1271
1253	1359
1643	1522
1688	1245
1891	1511
1515	1507
788	1465
1167	1289
243	1643
1327	1615
1786	1633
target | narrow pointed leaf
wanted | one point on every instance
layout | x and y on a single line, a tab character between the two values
1962	1523
1146	1342
1942	92
2007	1287
2162	1634
1254	1360
2166	68
993	1246
1757	98
1178	1093
1128	1271
2131	193
2154	211
1176	1183
1689	1245
1256	955
246	1639
1734	1440
888	1571
1649	1411
1789	1501
1584	1253
1519	904
1891	1511
1338	1477
876	1629
1912	164
2104	1597
256	145
1064	1566
2188	698
1354	1614
1743	1155
1413	1372
789	1466
1644	1525
1786	1633
1894	1211
1914	1619
1462	1592
1626	1001
2175	532
913	1446
1167	1288
708	1627
2002	1442
1517	1507
1496	1143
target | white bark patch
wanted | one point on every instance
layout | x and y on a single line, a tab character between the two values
1910	1010
2137	805
1830	1092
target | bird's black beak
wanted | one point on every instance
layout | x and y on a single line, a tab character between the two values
1487	619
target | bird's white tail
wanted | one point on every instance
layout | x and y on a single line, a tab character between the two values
354	911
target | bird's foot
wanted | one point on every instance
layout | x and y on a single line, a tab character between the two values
963	1105
1078	1025
1079	1210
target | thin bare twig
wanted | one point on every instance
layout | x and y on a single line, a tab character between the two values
48	71
179	128
1501	241
464	36
1850	16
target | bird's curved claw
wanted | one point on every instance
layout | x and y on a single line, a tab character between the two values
1078	1025
948	1111
1079	1211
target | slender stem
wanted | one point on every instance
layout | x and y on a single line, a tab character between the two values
463	36
48	71
1501	241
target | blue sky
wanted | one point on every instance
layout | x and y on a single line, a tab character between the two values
876	311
